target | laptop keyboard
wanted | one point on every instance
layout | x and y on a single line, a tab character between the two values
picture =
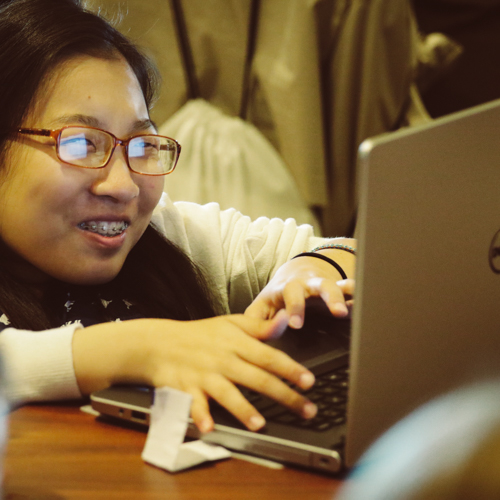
329	393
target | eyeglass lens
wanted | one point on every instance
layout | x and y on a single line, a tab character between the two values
91	148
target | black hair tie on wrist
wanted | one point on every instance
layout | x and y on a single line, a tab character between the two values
326	259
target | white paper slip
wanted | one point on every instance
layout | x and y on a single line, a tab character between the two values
165	447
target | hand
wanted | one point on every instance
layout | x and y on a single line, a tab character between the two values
297	280
204	358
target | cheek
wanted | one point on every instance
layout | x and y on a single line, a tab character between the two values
151	191
15	186
34	178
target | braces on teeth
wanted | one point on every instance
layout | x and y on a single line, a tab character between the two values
104	228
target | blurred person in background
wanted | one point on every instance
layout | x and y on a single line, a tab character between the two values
449	449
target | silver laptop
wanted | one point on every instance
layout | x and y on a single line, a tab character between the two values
427	311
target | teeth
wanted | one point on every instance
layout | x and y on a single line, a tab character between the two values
104	228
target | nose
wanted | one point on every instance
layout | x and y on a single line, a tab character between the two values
116	180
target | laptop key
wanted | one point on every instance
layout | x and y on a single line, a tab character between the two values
273	412
287	418
330	396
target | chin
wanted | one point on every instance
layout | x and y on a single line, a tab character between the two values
92	276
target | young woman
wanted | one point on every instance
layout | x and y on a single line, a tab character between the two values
102	279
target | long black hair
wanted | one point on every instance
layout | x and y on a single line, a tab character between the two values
35	37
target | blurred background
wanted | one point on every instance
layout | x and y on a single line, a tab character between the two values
474	78
270	99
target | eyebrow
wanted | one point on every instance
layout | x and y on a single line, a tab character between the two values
91	121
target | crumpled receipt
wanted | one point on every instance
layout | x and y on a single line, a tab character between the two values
165	447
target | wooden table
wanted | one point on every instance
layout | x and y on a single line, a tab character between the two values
57	452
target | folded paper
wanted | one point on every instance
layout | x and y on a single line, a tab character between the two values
165	447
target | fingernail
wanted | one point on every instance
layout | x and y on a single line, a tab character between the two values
256	422
296	321
340	309
309	410
205	426
306	380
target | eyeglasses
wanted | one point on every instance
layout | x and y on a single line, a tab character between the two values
90	147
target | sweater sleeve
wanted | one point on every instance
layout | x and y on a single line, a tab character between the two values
39	365
240	255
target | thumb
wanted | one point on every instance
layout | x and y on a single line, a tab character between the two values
258	309
259	328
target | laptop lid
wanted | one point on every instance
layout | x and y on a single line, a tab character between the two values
427	312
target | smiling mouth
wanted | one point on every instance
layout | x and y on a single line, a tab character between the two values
104	228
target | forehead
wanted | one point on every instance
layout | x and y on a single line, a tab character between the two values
90	86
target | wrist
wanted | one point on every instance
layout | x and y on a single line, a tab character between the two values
324	258
337	253
112	353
